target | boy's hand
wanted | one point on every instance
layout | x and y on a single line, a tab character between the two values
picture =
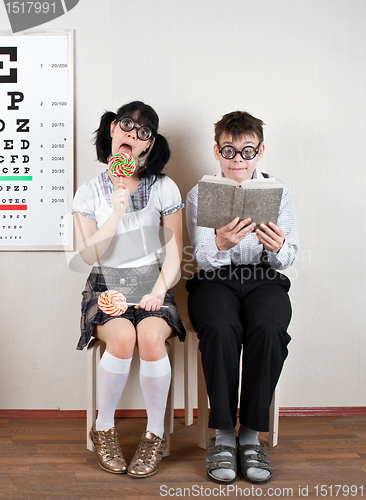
231	234
271	236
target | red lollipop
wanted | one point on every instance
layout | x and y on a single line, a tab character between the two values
122	165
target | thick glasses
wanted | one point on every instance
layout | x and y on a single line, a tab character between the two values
127	124
248	153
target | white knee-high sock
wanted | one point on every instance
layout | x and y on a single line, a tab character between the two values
155	381
112	378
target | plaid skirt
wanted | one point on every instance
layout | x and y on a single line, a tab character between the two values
134	283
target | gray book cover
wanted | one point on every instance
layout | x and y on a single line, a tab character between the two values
220	201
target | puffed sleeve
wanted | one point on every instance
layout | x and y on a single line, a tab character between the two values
169	196
84	201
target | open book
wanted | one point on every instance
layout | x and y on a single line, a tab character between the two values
220	200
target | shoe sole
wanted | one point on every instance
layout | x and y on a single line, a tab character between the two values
112	471
221	481
142	475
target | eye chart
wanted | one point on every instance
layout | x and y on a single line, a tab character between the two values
36	141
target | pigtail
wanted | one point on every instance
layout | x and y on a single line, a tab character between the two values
103	139
156	159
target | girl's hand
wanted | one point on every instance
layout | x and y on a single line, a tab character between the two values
151	302
231	234
119	198
271	236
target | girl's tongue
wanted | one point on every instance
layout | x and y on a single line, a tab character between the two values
125	148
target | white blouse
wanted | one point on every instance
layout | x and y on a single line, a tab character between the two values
140	236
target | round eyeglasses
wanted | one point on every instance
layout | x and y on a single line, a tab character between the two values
143	133
248	153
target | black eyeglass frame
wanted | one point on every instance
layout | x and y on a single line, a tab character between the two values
255	152
133	126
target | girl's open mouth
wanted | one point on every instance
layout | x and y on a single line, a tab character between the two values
127	148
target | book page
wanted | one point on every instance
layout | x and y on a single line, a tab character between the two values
269	183
219	180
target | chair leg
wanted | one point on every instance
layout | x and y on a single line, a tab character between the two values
273	421
202	405
188	369
91	386
169	412
172	386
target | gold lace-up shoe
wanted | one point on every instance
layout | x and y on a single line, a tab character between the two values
148	455
110	456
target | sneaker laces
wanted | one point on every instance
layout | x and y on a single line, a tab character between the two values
147	449
111	445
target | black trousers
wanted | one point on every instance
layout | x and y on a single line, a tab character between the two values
238	308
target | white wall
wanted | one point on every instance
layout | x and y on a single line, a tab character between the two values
298	65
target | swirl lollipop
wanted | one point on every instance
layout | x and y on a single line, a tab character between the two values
112	303
122	165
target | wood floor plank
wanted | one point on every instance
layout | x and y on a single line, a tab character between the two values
47	459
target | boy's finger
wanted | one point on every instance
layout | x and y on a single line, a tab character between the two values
232	224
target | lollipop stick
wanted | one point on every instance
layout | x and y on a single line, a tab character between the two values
137	304
121	181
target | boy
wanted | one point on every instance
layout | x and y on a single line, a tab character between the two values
238	301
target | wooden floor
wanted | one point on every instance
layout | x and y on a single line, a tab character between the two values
47	459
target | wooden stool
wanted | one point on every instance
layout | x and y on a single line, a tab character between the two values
202	399
93	358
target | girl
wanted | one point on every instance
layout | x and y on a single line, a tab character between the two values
122	228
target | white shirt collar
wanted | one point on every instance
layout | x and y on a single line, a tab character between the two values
256	174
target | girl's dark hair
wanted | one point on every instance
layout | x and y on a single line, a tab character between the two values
157	155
